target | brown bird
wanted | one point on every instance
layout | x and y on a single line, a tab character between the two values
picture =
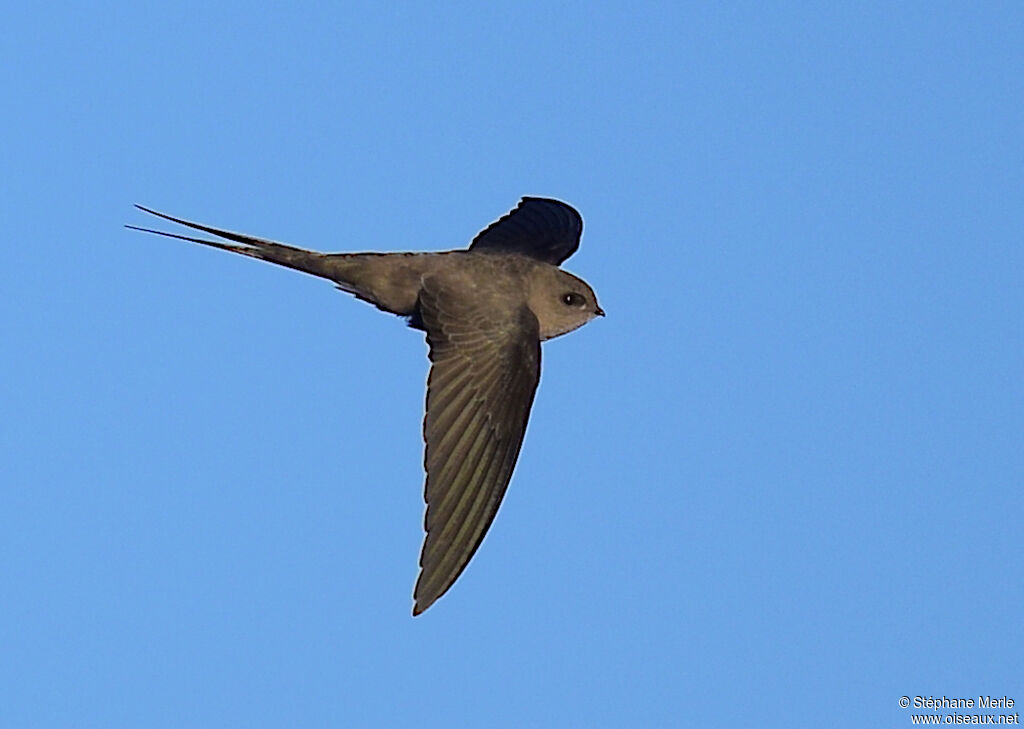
485	311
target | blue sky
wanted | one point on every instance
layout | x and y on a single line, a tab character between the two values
779	485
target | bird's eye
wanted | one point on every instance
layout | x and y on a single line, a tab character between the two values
573	299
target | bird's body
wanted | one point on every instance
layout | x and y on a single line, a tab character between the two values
485	311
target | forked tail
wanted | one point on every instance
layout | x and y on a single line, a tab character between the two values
267	250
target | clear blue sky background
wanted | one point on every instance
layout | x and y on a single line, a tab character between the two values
780	485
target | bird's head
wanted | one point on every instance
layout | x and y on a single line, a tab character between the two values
560	301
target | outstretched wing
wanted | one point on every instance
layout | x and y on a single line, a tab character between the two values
486	366
539	227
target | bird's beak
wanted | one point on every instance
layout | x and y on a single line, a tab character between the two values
599	311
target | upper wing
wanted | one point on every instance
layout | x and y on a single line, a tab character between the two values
481	385
539	227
